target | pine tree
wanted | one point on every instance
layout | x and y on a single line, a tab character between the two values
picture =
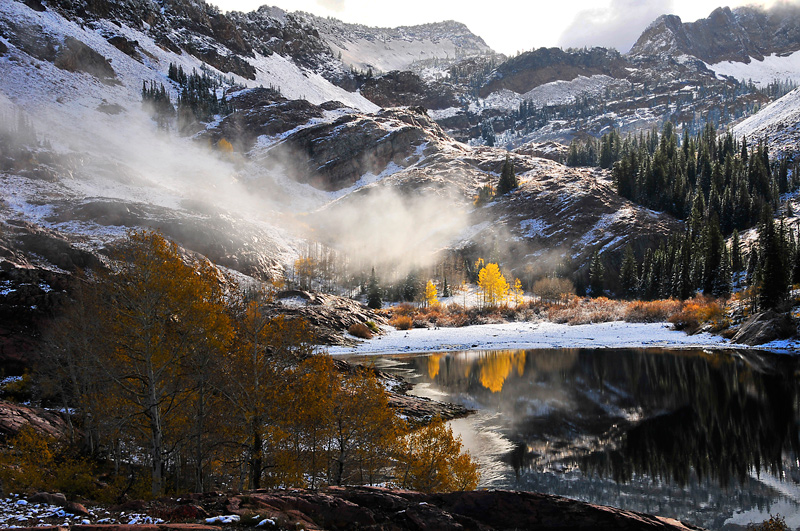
736	253
596	275
508	180
629	274
374	292
772	273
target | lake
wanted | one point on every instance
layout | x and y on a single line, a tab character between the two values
708	437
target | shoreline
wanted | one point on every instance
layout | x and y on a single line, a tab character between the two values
545	335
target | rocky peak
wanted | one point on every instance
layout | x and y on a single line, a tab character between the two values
740	35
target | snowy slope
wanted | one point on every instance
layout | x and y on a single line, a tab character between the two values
274	70
771	68
779	123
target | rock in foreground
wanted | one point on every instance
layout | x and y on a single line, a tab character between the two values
384	509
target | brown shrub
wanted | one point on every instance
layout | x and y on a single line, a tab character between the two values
585	311
454	320
651	311
405	308
553	289
401	322
775	523
360	330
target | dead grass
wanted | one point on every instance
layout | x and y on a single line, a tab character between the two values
585	311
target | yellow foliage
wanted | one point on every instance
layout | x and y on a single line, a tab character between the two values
430	295
433	365
225	146
518	293
496	367
34	462
492	284
402	322
432	461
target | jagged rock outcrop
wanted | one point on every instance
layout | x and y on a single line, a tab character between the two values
741	34
75	56
332	156
263	111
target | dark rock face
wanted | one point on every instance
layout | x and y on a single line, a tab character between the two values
262	112
397	89
765	327
129	48
75	56
335	155
32	288
377	509
531	69
725	35
273	31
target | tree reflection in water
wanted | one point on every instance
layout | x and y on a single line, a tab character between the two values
679	433
723	419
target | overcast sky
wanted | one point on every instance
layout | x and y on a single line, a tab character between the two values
509	26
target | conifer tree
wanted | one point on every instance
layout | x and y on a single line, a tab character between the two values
508	179
771	274
596	275
446	288
374	292
629	274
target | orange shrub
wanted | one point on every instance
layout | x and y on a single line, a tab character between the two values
360	330
696	312
651	311
401	322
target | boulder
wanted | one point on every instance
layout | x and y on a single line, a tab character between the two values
14	416
764	327
49	498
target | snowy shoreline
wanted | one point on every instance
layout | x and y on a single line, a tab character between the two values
534	335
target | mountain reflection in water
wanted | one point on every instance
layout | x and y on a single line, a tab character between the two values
707	437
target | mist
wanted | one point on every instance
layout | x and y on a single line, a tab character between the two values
392	230
126	158
615	26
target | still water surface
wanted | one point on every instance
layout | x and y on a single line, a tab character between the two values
710	438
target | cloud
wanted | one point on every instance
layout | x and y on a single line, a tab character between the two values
616	26
333	5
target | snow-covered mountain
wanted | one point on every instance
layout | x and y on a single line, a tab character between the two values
403	48
76	75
